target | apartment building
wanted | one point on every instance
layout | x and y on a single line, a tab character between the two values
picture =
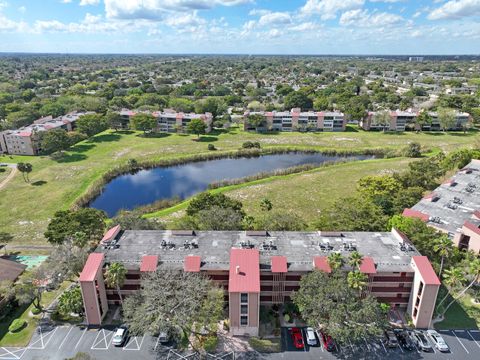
169	120
296	120
261	268
454	208
26	140
401	120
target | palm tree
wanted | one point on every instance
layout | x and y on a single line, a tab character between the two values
355	259
443	246
335	260
115	277
357	280
25	169
453	278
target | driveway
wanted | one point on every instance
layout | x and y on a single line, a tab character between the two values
10	176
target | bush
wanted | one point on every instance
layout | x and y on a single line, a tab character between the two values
210	344
413	150
211	147
36	311
251	145
17	325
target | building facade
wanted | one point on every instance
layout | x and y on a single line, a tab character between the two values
402	120
26	140
261	268
169	120
296	120
454	208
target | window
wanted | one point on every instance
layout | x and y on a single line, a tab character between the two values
244	320
244	309
244	298
420	289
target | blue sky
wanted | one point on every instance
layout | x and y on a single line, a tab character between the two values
241	26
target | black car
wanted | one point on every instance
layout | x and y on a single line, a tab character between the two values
404	340
390	339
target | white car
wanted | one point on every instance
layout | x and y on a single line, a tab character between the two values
437	341
311	339
120	336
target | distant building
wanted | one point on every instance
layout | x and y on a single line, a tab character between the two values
401	120
26	140
415	58
296	120
454	208
258	268
169	120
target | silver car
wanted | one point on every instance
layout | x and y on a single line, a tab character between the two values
421	341
311	339
120	336
437	341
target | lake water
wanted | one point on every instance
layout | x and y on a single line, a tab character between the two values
146	186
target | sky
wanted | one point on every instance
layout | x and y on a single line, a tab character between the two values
388	27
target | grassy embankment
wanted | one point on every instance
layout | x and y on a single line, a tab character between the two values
27	208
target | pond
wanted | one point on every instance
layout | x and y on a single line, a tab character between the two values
147	186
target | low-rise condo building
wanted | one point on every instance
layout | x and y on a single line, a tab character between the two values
261	268
454	208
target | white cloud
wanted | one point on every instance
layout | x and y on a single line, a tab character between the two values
274	33
275	18
258	12
89	2
306	26
328	9
362	18
456	9
66	1
22	9
185	20
386	1
417	14
157	9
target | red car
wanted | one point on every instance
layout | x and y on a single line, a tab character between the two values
327	341
297	337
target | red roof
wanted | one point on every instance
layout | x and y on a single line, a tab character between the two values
476	213
472	227
149	263
279	264
430	196
192	263
111	233
426	271
25	133
416	214
368	266
93	264
244	271
321	263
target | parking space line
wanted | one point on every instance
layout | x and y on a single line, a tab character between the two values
12	353
131	342
460	341
65	338
103	341
156	344
303	339
81	337
473	338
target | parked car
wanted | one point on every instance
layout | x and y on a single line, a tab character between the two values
327	341
438	341
297	337
421	341
390	340
163	337
405	340
311	339
120	336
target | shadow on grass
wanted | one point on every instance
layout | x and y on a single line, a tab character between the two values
82	147
207	139
154	135
15	313
125	132
350	128
39	183
392	132
68	158
105	138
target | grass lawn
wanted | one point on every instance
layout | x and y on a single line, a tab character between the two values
4	171
22	338
265	345
305	193
27	208
463	314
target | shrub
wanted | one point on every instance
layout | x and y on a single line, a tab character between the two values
211	147
17	325
210	344
251	145
36	311
413	150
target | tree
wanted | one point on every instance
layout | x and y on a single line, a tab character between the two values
5	238
413	150
446	118
7	291
170	300
443	247
218	218
298	99
214	105
208	200
256	120
115	277
357	280
25	169
143	122
66	223
67	260
422	173
114	120
196	126
280	221
266	204
423	119
372	186
355	259
54	140
382	118
91	124
29	288
335	260
71	301
327	301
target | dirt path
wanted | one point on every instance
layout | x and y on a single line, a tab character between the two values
9	177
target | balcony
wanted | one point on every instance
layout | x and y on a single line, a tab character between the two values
386	289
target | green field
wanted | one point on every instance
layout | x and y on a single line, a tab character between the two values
26	208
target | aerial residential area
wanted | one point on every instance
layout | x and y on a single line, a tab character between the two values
239	179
